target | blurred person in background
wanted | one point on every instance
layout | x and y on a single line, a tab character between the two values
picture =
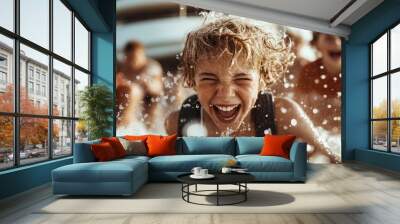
139	86
319	83
318	92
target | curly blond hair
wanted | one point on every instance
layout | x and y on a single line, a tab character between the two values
270	54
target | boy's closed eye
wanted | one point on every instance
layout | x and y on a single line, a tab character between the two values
208	77
243	78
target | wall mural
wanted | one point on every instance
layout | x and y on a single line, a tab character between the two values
196	72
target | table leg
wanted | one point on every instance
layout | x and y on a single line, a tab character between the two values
182	189
188	189
217	194
245	193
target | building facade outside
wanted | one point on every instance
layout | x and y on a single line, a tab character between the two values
34	83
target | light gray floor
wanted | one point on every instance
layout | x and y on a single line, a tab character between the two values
379	189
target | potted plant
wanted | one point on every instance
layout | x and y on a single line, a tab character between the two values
96	103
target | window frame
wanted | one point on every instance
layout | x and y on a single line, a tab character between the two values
388	74
16	114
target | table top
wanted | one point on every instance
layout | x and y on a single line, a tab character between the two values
220	178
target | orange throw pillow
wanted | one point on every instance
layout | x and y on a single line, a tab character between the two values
277	145
136	137
116	145
161	145
103	151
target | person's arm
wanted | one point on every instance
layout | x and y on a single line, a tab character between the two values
153	79
129	97
290	118
171	123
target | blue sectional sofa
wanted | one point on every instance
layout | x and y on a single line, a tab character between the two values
125	176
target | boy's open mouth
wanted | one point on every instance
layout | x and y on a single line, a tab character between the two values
335	54
226	113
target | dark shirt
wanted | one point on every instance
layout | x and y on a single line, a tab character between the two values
262	114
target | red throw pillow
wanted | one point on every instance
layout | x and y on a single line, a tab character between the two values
161	145
103	151
116	145
277	145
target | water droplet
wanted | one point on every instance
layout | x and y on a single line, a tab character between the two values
283	110
321	67
285	127
293	122
286	85
325	96
339	94
267	131
291	76
324	122
323	76
329	106
315	111
325	86
316	81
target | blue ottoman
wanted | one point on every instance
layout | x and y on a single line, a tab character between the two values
118	177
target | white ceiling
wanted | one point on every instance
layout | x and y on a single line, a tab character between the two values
321	9
315	15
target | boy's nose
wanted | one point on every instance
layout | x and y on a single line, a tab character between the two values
225	90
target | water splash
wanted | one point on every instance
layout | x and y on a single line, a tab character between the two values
293	122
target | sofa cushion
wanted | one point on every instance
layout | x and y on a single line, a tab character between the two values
111	171
277	145
206	145
249	145
134	147
134	157
257	163
161	145
103	152
83	152
185	163
116	145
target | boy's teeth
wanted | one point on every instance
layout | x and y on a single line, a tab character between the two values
226	108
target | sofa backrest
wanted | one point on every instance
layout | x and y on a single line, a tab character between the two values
205	145
83	153
249	145
190	146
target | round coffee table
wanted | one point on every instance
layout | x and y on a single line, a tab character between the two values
238	179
